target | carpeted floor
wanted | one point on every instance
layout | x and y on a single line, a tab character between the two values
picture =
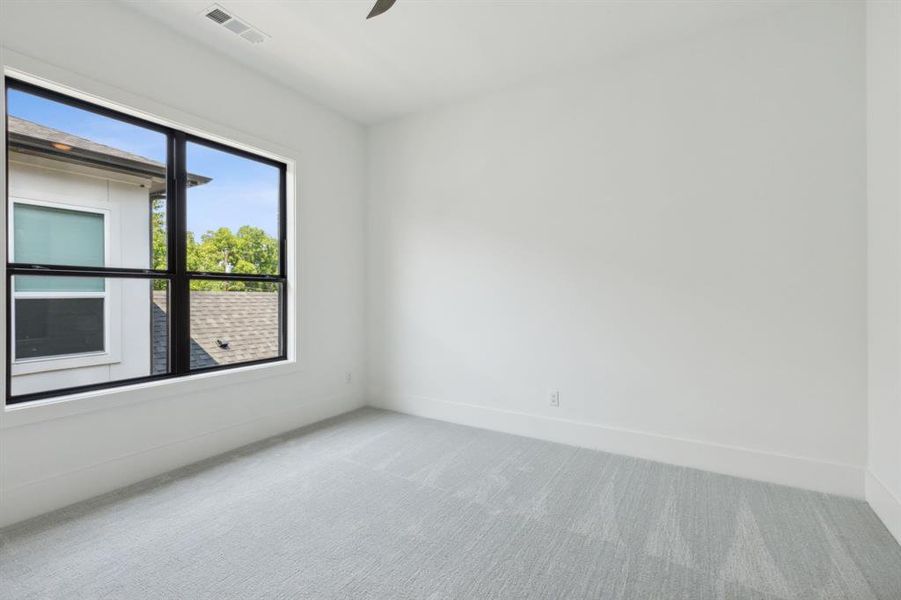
380	505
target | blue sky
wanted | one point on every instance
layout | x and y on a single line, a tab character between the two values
242	191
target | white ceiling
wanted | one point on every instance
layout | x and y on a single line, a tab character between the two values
424	53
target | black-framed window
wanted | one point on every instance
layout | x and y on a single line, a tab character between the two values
136	251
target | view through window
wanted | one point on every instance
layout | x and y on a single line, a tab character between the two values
135	251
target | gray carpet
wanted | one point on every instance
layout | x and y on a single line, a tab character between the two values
380	505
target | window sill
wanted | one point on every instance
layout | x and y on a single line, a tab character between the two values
50	364
17	415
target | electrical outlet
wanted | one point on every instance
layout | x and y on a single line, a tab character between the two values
554	397
348	377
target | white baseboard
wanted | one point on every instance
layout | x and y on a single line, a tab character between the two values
885	504
806	473
58	491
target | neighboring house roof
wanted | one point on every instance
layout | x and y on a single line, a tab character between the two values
248	321
32	138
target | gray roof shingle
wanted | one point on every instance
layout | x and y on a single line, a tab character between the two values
248	321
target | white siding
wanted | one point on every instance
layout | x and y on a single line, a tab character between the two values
128	315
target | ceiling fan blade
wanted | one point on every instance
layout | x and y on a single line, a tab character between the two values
380	7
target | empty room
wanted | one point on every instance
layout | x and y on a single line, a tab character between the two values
451	299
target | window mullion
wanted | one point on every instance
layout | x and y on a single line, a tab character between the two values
180	334
72	271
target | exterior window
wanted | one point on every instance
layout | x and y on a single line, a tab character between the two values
58	326
52	318
56	236
136	251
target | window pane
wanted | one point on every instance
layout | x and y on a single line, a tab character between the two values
55	236
58	284
233	218
234	322
52	236
68	339
70	161
55	326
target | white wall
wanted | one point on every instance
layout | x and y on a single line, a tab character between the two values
675	241
52	454
884	259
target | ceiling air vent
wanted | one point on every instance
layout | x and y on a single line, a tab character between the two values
253	36
236	26
218	15
230	21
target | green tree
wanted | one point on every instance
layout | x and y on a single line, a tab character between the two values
158	241
158	221
250	251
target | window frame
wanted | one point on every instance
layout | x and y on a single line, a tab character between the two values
111	347
176	274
